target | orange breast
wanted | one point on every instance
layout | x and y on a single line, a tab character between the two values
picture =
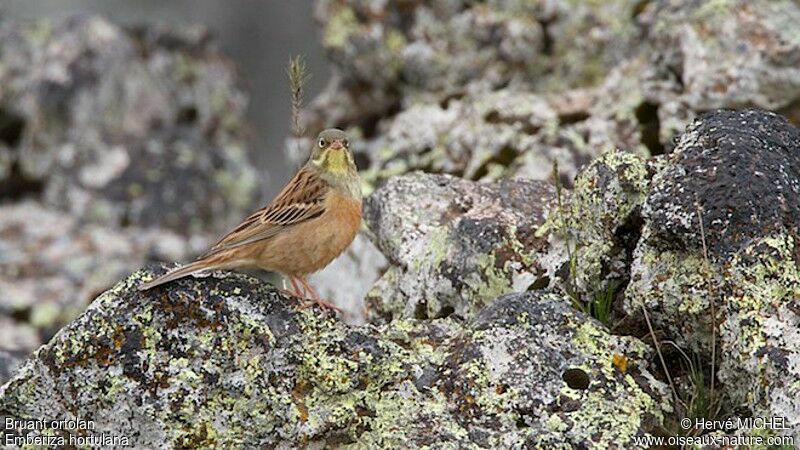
310	246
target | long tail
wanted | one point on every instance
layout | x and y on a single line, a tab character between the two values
180	272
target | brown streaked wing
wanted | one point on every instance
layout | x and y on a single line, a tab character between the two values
302	199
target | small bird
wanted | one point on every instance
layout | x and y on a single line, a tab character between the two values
311	222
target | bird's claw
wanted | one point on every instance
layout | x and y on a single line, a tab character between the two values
326	305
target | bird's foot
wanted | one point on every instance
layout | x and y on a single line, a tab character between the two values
312	297
324	304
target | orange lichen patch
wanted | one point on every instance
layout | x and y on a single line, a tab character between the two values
298	394
620	362
119	337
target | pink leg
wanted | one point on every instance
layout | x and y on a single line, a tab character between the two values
296	289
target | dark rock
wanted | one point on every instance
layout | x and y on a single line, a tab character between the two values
718	255
741	170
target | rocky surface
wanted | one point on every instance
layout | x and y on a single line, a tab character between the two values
592	230
122	126
608	99
718	256
454	245
504	88
228	361
117	146
52	265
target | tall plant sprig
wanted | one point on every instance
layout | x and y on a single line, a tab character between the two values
298	77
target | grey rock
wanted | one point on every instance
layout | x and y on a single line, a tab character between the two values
718	254
454	245
423	86
228	361
486	136
728	54
123	126
434	64
444	45
117	145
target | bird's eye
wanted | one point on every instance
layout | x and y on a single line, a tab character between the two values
322	143
346	143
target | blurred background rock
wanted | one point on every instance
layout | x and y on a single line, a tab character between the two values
259	36
131	133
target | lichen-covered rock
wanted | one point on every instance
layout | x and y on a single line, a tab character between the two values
468	77
454	245
720	236
228	361
123	126
486	136
445	45
52	265
593	229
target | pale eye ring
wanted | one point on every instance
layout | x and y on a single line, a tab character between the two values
321	143
346	143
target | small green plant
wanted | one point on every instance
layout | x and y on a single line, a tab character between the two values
602	302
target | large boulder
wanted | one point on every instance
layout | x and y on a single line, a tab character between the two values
717	266
231	362
454	245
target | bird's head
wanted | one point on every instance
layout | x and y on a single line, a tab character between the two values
331	154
